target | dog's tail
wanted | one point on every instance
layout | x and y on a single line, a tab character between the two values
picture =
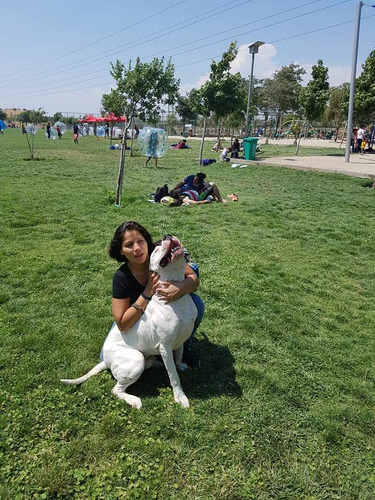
94	371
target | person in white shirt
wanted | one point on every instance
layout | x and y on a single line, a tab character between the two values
360	134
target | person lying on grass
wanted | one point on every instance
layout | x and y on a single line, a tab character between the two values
196	183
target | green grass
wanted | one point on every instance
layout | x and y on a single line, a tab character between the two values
283	404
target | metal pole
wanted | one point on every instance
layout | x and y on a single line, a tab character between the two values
352	81
249	95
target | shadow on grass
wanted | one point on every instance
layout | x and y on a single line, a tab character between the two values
215	377
34	159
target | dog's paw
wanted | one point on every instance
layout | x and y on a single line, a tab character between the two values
182	367
133	401
180	398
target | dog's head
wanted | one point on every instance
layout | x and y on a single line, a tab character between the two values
167	251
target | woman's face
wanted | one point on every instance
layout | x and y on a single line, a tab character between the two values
134	247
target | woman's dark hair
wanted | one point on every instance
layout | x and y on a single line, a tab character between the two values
114	249
201	176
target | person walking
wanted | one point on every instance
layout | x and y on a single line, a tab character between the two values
76	134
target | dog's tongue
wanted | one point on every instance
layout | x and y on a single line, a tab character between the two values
173	251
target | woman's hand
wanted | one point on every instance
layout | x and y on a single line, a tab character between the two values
169	291
152	284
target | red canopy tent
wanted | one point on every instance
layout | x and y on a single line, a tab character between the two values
111	117
88	119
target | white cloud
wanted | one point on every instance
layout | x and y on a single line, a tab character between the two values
339	75
186	87
264	66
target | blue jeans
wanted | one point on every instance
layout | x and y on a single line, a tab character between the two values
199	304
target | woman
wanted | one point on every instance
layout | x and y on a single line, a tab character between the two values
134	284
235	148
191	182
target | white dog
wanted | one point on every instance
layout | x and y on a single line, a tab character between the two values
162	329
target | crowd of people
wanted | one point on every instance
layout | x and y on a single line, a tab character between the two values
360	140
233	150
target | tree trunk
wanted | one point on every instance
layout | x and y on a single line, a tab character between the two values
202	141
121	167
300	135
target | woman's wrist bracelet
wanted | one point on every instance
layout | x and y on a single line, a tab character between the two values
145	296
139	308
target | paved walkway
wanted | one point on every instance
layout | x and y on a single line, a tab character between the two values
359	165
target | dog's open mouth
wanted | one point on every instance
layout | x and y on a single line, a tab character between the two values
174	250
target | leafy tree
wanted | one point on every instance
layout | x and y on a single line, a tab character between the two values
337	109
313	98
280	93
114	102
221	94
3	115
364	97
185	108
234	121
171	123
24	117
200	107
57	117
223	91
37	116
141	92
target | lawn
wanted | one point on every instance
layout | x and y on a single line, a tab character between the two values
283	404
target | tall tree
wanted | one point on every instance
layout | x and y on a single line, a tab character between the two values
364	98
222	93
200	106
313	98
185	108
280	93
38	116
24	116
141	92
336	112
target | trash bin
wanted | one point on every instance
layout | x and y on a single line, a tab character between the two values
249	147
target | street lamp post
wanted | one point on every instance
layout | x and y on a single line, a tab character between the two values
253	49
352	81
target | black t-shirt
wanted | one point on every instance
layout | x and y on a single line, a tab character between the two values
125	285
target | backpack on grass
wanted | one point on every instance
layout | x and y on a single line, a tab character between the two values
160	193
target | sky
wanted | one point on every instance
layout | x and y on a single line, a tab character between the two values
57	55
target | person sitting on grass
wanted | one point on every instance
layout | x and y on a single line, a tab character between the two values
217	147
224	154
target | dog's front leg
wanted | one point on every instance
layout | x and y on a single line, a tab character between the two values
178	393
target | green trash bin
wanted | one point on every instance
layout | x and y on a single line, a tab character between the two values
249	147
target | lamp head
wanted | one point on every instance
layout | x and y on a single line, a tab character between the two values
254	47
